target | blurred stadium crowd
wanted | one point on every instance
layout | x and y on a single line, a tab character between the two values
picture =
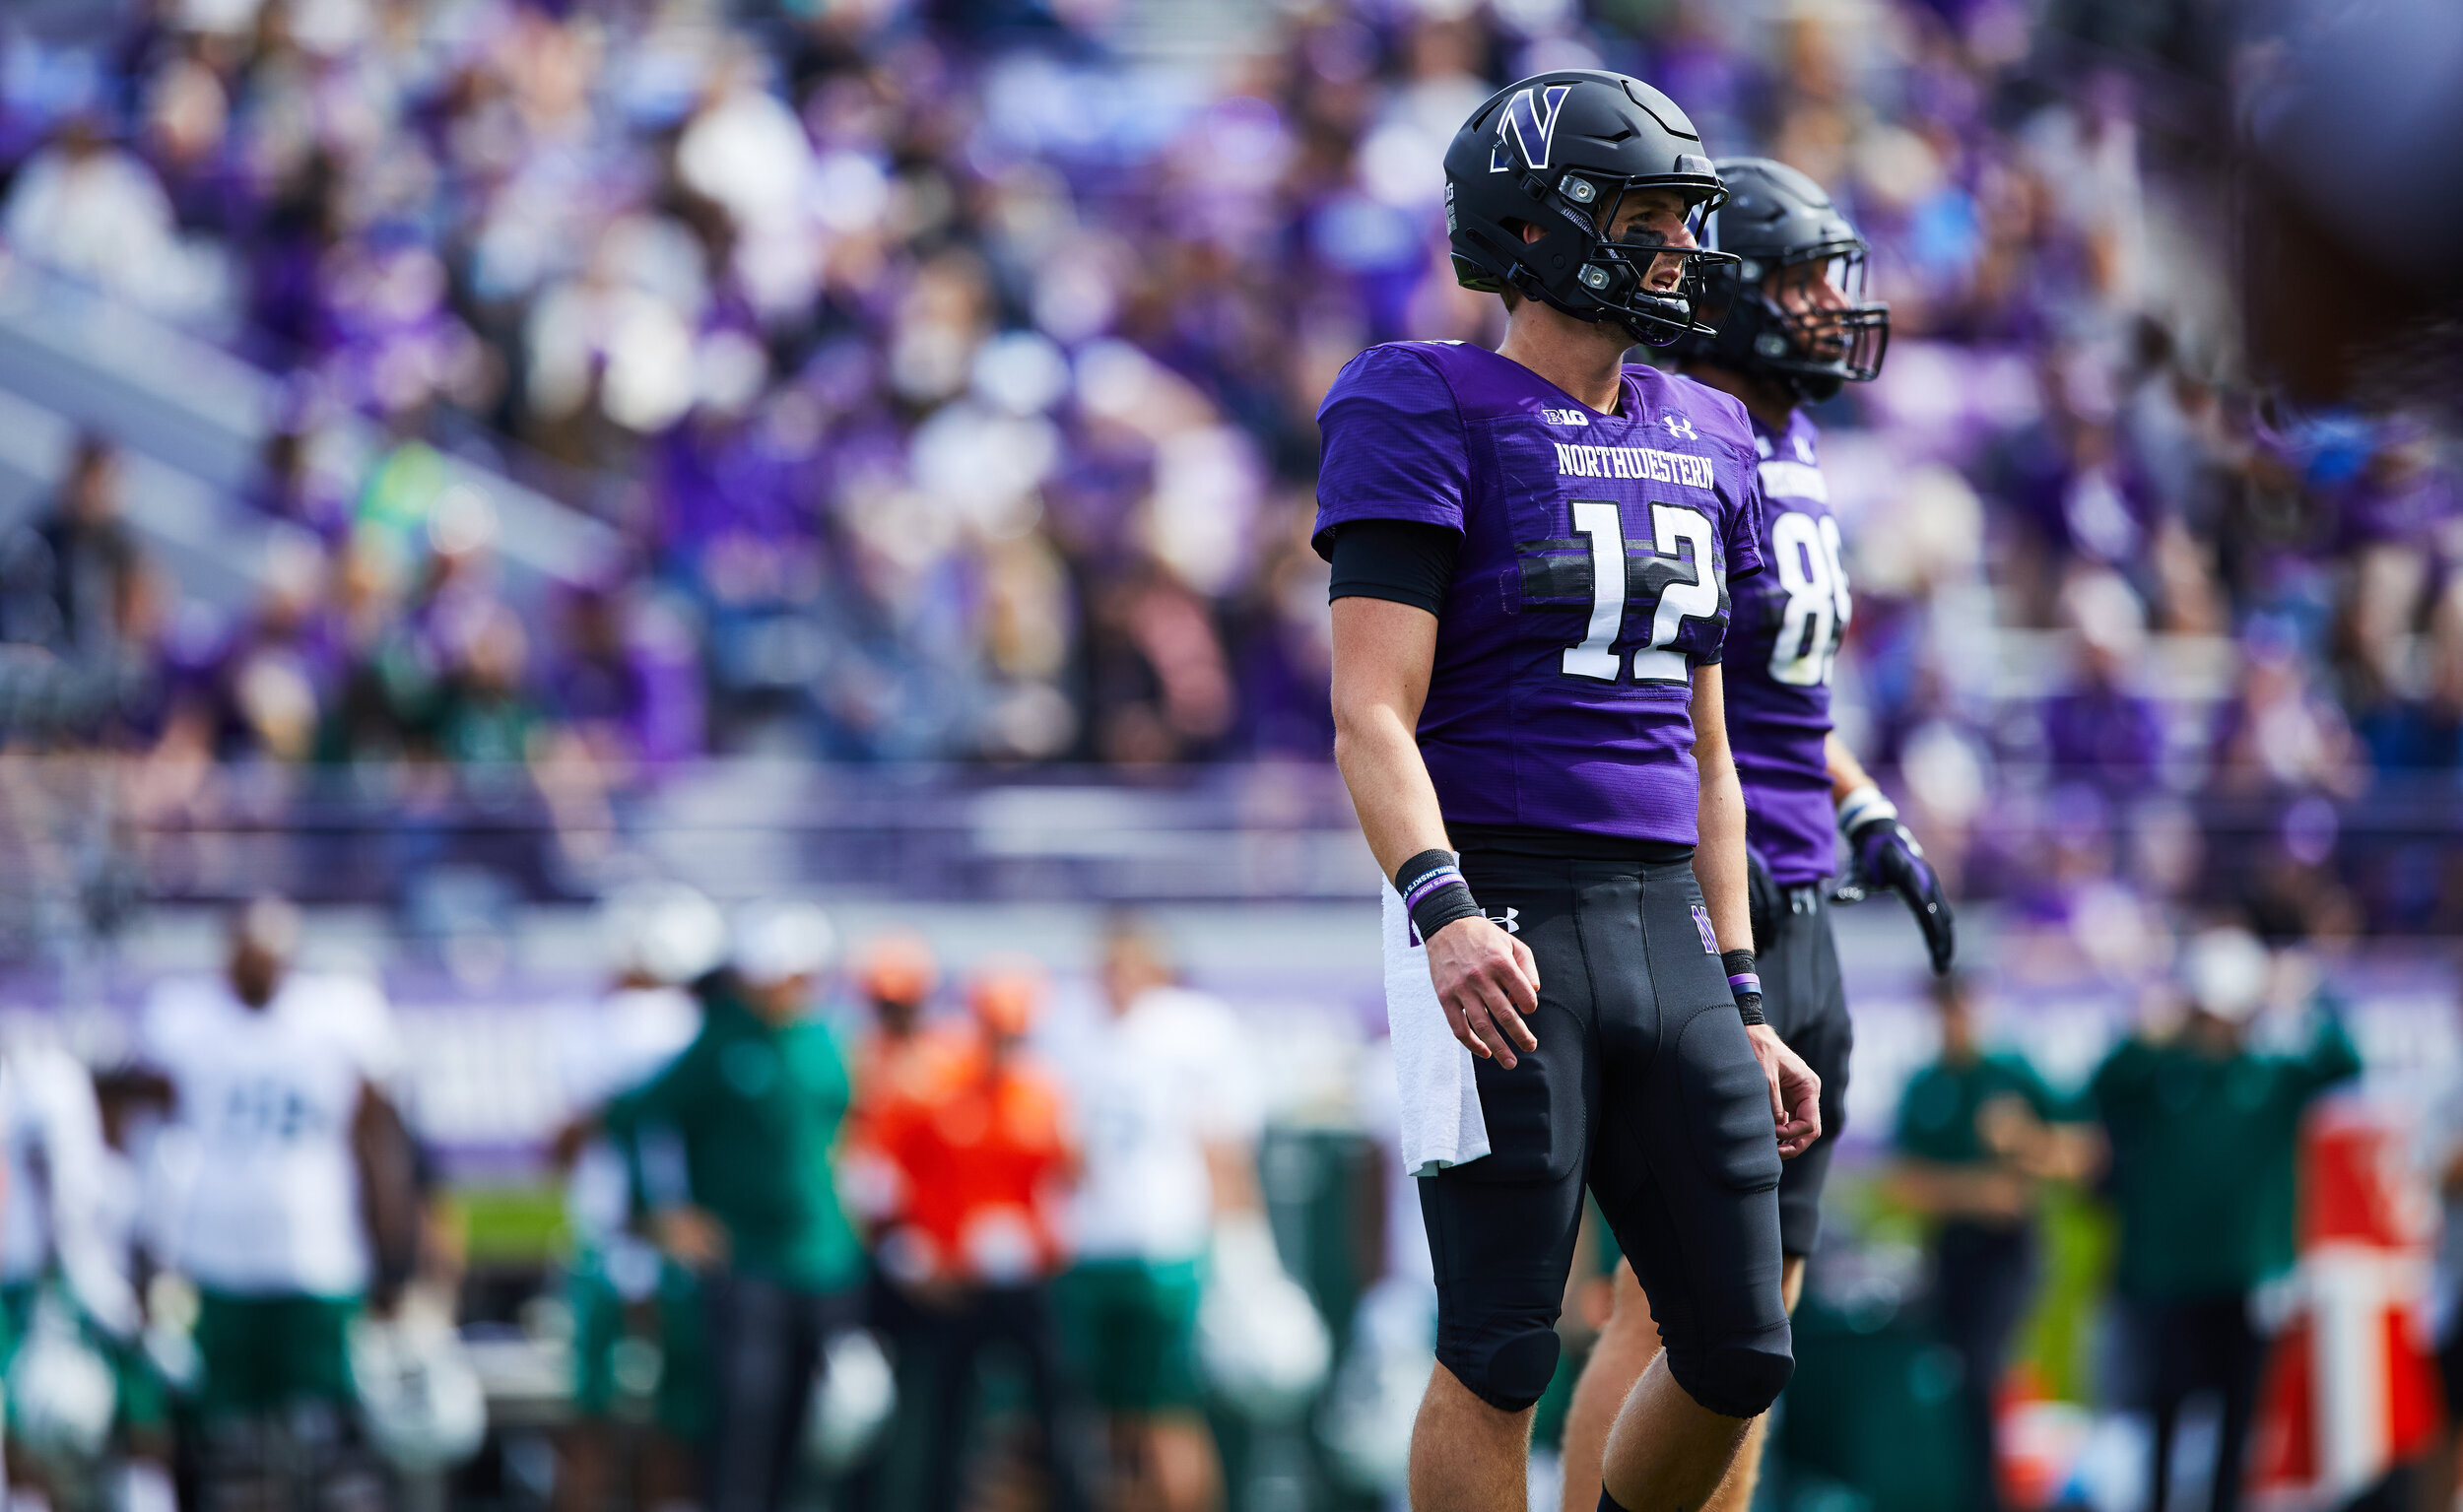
948	370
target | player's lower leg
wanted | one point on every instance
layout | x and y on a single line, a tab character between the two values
1467	1456
1181	1450
1626	1347
1667	1450
1618	1357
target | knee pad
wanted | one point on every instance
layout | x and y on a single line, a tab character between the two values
1735	1380
1506	1367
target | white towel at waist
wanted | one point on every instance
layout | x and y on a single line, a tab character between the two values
1435	1088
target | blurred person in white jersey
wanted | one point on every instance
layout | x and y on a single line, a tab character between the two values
68	1213
662	936
284	1188
1168	1119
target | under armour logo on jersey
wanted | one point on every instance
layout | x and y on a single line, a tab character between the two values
1510	921
1679	425
1565	417
1531	122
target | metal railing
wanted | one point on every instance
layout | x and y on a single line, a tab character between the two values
369	833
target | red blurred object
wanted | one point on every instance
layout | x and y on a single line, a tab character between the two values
980	1157
2352	1388
2038	1439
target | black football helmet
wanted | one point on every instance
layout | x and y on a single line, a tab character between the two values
1559	151
1782	228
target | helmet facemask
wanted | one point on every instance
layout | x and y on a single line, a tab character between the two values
1627	279
1811	322
1665	303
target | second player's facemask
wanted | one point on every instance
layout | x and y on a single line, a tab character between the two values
1806	317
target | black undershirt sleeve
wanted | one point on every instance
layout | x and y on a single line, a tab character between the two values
1406	562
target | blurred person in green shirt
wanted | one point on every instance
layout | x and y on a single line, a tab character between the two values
1977	1132
663	937
2205	1139
737	1144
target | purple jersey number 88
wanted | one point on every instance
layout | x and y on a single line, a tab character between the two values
1815	617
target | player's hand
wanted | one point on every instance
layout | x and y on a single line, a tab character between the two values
1795	1091
690	1236
1888	856
1486	982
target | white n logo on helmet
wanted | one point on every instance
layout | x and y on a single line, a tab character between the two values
1530	123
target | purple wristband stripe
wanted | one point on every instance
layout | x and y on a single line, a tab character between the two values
1429	883
1744	982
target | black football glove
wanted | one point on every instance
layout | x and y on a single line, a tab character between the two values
1883	855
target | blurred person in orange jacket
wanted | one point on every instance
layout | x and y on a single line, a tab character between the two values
975	1149
897	976
897	1058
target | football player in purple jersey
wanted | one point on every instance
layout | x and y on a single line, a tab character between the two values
1532	553
1797	326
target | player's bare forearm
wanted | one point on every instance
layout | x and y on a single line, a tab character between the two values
1232	1169
1719	867
1485	979
1719	857
1382	652
1846	772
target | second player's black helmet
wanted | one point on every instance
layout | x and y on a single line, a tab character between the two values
1558	152
1789	237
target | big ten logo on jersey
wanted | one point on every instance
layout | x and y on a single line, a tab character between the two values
265	1109
1565	417
1812	604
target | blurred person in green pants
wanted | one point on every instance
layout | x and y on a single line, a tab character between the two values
1975	1132
2205	1139
68	1201
1169	1112
663	936
286	1194
737	1145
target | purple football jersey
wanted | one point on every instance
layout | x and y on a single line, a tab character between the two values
1789	621
1592	579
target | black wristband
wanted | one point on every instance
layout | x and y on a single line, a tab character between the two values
1745	983
1434	892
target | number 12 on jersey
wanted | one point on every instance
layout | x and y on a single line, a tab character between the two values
1680	600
